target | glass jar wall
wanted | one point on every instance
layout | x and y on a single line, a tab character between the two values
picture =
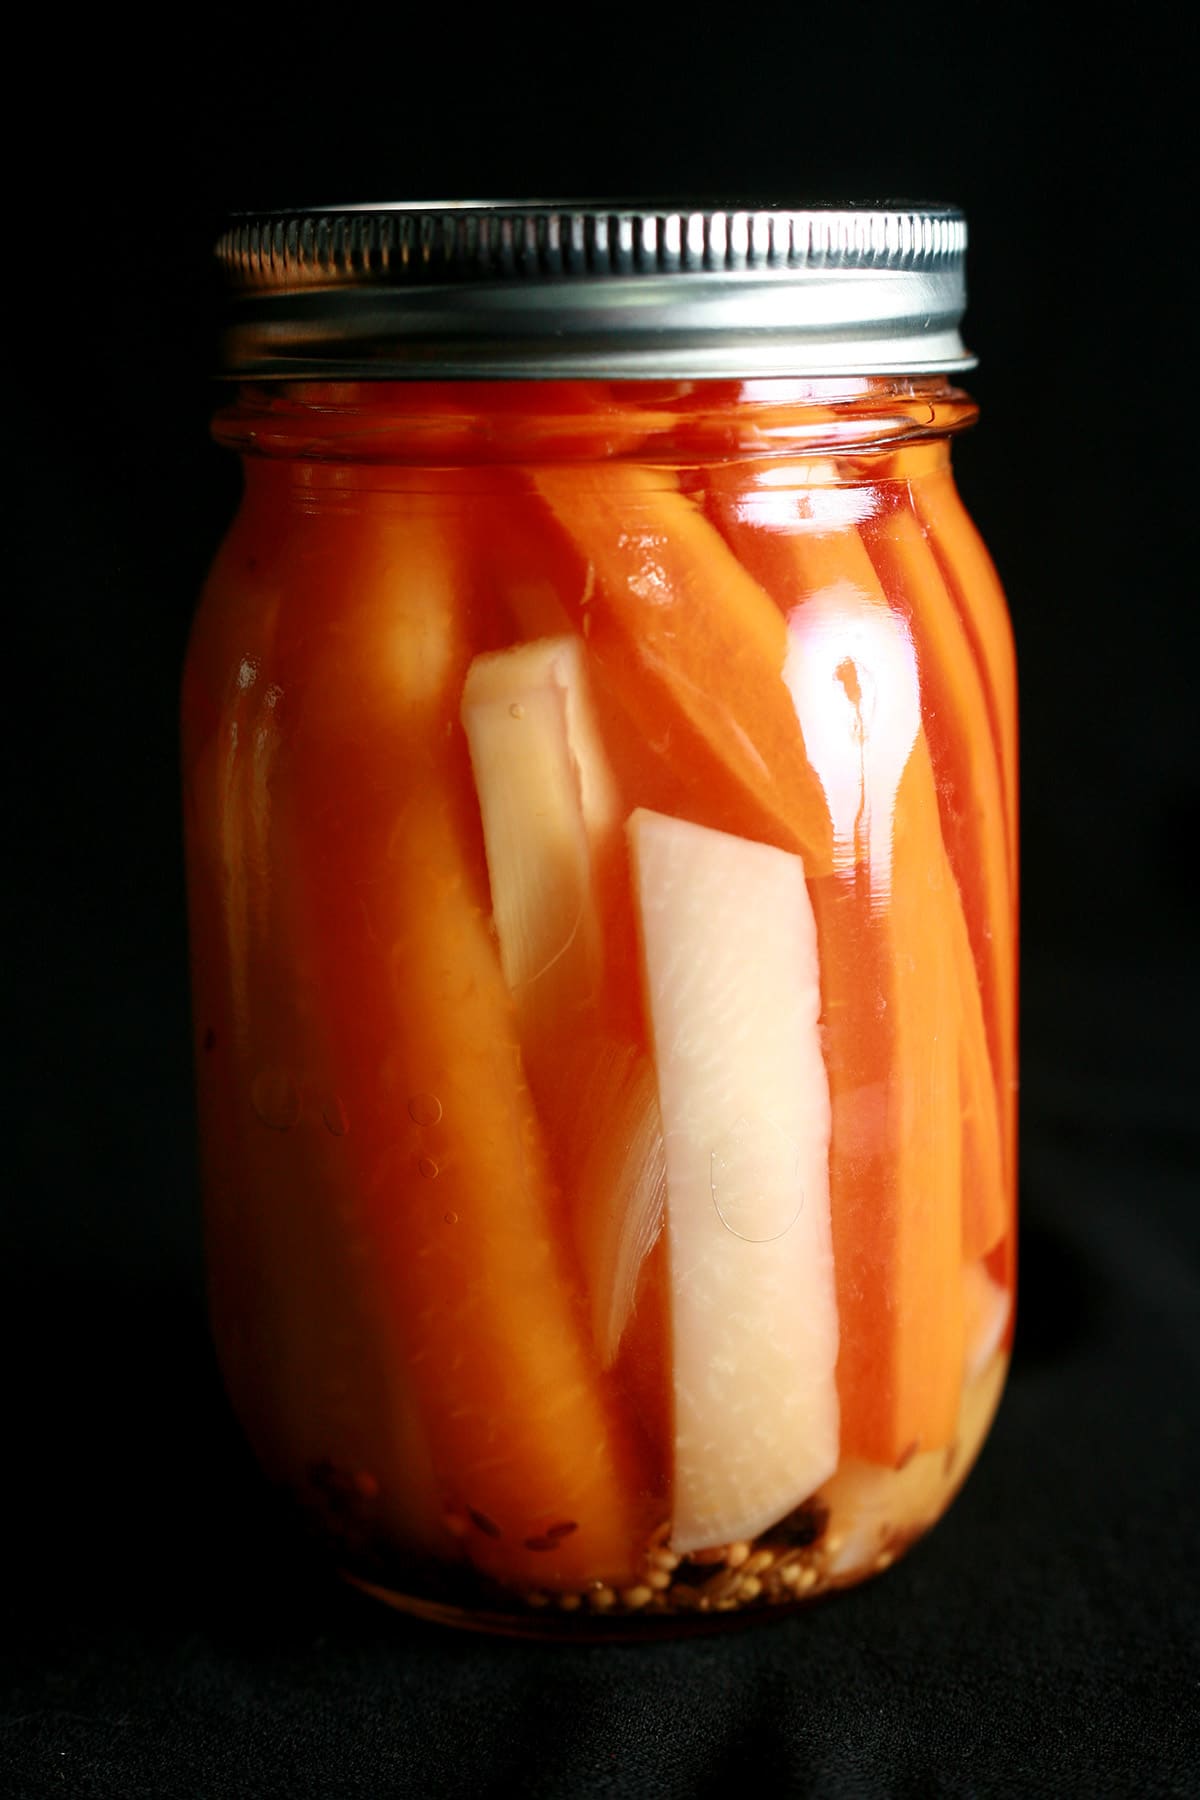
600	810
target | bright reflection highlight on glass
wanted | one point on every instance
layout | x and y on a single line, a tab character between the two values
821	505
852	672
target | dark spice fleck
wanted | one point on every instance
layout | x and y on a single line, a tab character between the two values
803	1527
482	1523
692	1574
335	1486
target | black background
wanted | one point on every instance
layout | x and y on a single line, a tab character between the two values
164	1639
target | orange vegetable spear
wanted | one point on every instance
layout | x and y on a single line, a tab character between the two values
695	650
966	757
896	1007
448	1183
978	596
979	599
289	1294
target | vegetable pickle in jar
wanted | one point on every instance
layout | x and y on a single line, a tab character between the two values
600	781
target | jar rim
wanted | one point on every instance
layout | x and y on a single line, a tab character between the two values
545	290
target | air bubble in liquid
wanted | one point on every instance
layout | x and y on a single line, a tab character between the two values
755	1178
275	1098
334	1115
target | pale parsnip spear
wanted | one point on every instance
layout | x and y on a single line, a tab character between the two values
555	852
550	818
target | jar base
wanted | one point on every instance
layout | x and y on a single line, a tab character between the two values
859	1524
549	1626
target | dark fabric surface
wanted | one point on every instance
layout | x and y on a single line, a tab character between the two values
162	1636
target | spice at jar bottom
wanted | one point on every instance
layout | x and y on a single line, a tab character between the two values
600	793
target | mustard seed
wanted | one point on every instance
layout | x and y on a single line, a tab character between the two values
758	1563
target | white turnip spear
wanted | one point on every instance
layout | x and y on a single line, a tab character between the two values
733	994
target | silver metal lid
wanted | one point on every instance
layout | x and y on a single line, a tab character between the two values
535	291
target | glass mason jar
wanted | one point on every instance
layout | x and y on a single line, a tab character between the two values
601	824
